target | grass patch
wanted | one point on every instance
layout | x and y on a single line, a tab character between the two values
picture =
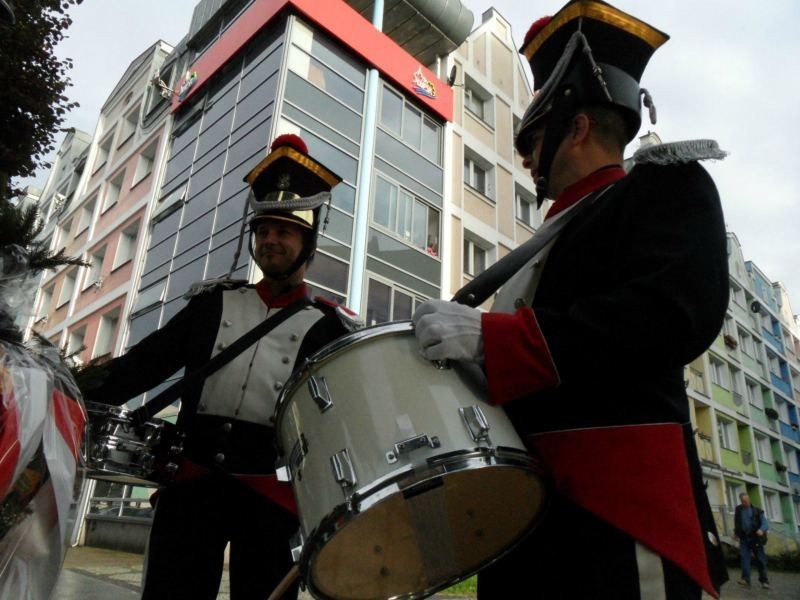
468	587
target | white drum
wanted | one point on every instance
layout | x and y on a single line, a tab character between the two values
406	479
117	450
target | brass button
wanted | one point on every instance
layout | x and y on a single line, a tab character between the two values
294	337
226	427
219	458
221	346
519	303
226	323
278	385
285	360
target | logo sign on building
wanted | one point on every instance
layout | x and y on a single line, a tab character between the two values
422	85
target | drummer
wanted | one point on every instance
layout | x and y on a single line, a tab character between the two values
228	418
585	345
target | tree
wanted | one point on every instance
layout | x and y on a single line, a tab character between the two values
33	82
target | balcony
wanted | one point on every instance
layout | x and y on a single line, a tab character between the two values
694	379
790	431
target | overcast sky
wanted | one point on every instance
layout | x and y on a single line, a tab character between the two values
729	72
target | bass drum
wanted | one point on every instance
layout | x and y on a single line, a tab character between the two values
406	479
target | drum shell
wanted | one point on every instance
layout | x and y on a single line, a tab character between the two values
383	393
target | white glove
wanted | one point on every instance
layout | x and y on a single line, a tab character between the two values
448	330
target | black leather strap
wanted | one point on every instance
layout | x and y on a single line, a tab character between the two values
144	413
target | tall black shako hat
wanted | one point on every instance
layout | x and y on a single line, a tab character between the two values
291	186
588	53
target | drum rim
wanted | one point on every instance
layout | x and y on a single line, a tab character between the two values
324	354
460	461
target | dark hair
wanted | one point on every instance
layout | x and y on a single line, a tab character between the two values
609	124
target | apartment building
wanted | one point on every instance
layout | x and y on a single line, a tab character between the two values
744	393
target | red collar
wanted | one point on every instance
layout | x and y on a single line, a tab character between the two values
594	181
282	300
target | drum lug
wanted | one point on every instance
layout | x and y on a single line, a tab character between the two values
475	422
296	543
343	471
320	393
296	457
411	444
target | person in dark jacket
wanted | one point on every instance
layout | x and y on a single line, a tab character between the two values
750	527
225	490
585	345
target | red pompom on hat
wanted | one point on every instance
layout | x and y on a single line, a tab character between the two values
537	26
290	139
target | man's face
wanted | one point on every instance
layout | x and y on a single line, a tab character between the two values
556	178
277	245
745	500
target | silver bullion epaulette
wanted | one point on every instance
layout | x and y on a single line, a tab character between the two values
207	285
673	153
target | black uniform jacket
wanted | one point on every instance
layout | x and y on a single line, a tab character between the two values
217	434
634	288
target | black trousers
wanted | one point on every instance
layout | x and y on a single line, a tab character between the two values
574	555
193	523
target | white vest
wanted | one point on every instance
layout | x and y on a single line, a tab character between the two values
247	388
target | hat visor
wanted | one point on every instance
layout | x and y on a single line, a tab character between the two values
303	218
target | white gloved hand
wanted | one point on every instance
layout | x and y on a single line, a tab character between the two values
448	330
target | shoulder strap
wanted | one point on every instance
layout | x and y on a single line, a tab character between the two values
144	413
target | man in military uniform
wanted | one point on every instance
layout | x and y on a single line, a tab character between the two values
585	345
225	489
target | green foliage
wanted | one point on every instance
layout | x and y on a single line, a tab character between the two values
20	227
468	587
32	85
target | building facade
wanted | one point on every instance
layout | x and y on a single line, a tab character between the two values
744	393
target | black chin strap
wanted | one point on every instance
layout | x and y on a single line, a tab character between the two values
564	108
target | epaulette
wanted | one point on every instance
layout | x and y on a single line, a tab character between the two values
674	153
349	319
208	285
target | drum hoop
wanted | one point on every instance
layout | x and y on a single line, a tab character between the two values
454	462
326	353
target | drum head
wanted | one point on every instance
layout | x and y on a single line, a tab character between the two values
429	536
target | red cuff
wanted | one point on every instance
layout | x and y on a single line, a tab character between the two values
518	361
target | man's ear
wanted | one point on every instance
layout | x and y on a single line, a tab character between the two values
581	125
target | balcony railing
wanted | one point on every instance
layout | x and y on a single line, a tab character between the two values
695	379
705	449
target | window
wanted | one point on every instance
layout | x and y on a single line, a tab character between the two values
103	151
754	396
719	373
113	189
129	124
763	449
746	342
149	297
75	342
62	234
104	344
325	78
526	208
45	299
144	164
67	288
474	103
783	410
478	173
95	275
386	302
732	493
476	255
406	216
169	203
86	215
772	506
728	437
792	459
411	125
126	246
774	364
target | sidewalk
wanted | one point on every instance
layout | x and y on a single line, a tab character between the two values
98	574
